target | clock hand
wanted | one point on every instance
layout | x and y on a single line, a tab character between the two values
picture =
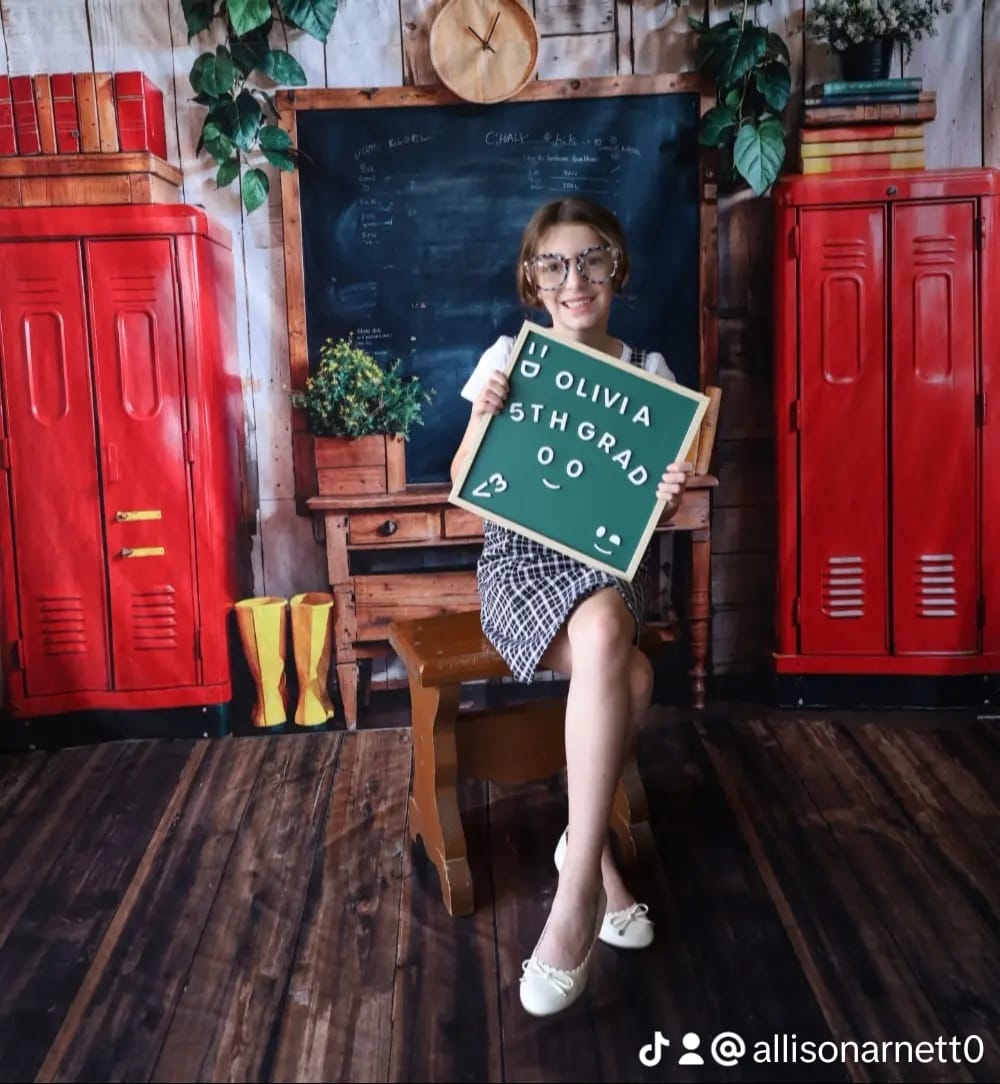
485	44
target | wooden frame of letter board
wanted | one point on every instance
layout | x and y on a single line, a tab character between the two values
481	443
290	102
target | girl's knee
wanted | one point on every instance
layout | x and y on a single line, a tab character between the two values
602	627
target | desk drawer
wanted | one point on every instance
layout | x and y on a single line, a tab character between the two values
460	523
381	599
375	527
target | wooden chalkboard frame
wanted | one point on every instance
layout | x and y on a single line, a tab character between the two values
291	102
660	390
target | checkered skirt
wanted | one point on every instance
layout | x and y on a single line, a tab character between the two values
528	590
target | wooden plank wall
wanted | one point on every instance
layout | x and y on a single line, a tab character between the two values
384	42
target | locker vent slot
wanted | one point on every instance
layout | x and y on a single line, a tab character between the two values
931	250
63	625
936	593
844	587
154	619
850	254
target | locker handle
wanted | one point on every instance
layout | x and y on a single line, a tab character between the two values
133	517
111	462
142	551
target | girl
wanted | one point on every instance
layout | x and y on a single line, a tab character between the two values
543	609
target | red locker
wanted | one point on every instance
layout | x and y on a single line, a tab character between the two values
120	458
887	408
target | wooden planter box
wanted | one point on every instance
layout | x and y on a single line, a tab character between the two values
359	465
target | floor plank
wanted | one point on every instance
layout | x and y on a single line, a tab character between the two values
865	986
454	1033
337	1019
96	842
251	908
119	1024
230	1007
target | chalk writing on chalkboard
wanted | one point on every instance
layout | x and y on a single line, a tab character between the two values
411	219
575	457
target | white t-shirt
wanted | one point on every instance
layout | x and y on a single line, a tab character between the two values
496	357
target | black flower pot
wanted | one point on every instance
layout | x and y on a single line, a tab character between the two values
867	59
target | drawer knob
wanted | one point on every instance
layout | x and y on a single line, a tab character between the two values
389	527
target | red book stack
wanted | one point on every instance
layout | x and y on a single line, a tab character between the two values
22	92
141	124
8	141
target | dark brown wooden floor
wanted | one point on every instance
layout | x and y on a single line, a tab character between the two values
250	909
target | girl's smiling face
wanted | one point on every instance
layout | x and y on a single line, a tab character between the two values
580	309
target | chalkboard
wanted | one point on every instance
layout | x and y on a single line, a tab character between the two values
410	216
575	456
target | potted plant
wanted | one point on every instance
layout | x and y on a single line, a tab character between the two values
360	416
748	65
864	32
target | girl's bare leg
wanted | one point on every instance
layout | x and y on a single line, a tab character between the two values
610	689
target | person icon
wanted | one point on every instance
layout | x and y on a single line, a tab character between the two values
691	1042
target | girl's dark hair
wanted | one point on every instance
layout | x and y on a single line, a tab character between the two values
572	209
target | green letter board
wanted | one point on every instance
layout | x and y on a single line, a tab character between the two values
575	457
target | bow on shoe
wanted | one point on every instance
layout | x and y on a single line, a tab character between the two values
560	980
621	920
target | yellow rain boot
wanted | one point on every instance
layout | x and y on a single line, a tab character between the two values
263	625
311	641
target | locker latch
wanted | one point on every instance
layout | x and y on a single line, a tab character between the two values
142	551
134	517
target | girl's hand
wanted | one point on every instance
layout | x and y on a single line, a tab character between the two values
672	485
493	395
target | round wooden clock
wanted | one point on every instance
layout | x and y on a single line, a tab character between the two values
484	50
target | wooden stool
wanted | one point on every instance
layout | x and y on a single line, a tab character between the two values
515	744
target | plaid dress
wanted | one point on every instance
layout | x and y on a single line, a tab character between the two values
528	590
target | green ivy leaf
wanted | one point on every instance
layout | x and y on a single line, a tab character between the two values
315	17
198	15
775	84
245	15
758	153
776	46
216	142
717	126
274	139
740	52
254	187
283	68
237	120
252	49
228	172
279	159
225	71
732	99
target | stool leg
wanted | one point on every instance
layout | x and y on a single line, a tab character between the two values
630	814
434	813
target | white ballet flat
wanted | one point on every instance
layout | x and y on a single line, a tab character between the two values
628	928
545	989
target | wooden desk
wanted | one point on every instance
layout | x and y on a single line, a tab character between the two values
363	527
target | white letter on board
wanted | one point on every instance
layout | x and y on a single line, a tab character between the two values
564	380
545	455
642	416
585	430
558	420
529	368
517	412
605	442
624	458
638	476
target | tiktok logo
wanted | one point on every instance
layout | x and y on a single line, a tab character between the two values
652	1053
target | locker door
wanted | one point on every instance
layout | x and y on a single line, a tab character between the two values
842	461
934	513
146	484
54	500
